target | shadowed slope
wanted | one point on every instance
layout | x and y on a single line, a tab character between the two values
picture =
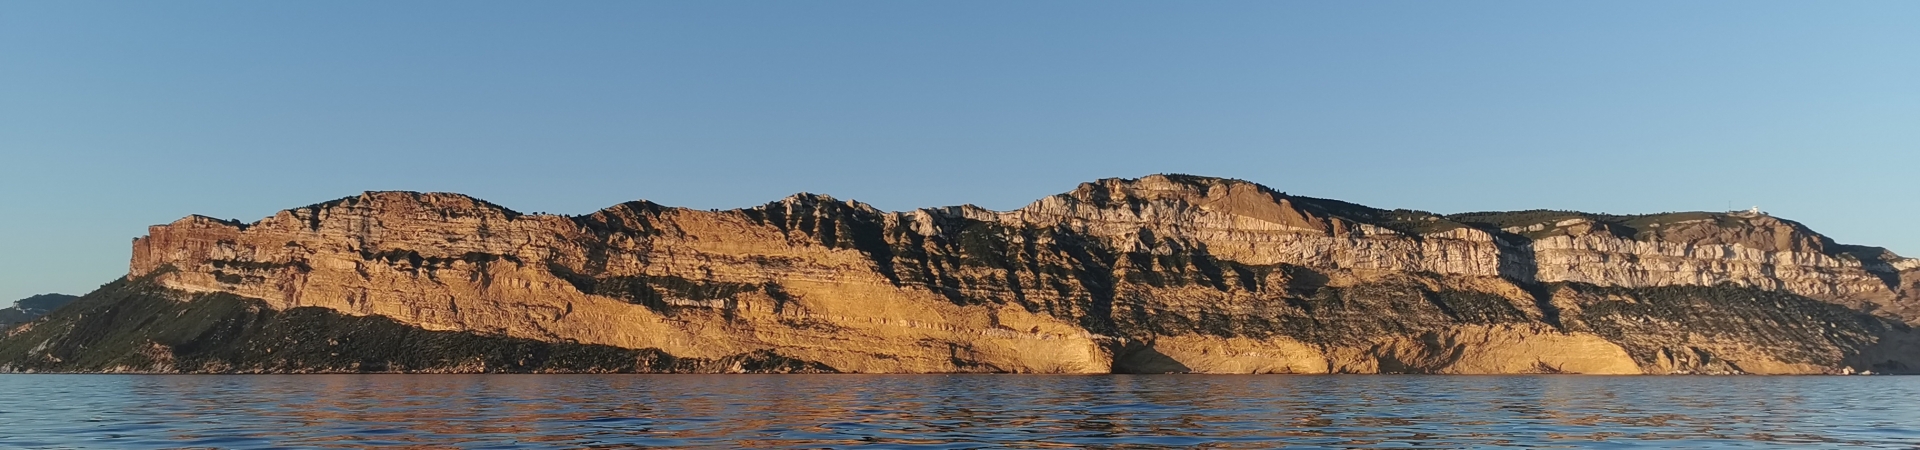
136	326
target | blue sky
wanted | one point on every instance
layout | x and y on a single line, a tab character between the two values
116	116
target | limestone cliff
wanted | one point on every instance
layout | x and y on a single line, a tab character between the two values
1167	273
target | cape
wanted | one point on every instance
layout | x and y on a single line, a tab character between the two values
1166	273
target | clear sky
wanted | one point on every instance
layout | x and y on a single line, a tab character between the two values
118	115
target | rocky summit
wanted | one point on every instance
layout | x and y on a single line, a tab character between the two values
1167	273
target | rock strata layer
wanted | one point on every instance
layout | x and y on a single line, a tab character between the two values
1167	273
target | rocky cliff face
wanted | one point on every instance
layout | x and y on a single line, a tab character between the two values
1160	274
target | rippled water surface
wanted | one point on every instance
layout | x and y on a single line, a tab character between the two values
958	411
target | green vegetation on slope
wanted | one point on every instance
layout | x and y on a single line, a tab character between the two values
1636	226
30	308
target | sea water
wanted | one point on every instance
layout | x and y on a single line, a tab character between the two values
956	411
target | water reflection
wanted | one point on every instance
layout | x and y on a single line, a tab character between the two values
960	411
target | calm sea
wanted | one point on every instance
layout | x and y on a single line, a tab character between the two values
955	411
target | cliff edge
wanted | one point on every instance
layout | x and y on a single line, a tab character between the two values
1166	273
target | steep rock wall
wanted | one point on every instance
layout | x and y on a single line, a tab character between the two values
1164	273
